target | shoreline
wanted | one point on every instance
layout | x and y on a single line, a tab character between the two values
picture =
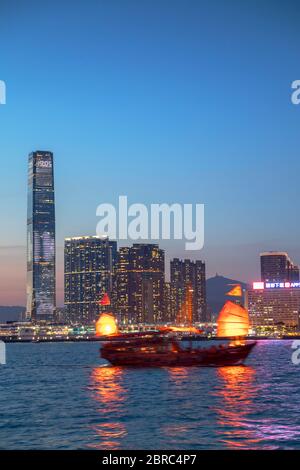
101	339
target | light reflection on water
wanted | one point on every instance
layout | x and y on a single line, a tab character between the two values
236	395
242	418
109	394
71	400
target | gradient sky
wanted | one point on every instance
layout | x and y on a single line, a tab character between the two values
163	101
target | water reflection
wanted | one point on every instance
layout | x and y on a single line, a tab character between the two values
110	436
108	391
231	407
248	415
177	375
236	393
238	383
178	428
109	395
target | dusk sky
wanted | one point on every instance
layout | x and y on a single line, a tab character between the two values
162	101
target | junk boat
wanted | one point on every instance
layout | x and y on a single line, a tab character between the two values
162	349
157	351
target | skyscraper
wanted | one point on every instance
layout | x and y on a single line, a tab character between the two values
276	266
89	273
122	284
186	275
41	298
114	262
167	307
140	283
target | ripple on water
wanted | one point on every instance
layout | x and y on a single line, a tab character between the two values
62	396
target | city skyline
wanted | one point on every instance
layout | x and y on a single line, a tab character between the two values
160	117
149	243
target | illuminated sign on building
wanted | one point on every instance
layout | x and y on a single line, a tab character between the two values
44	164
258	285
275	285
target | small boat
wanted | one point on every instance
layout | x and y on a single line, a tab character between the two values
162	351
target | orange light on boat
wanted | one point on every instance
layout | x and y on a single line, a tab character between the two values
185	329
106	325
233	320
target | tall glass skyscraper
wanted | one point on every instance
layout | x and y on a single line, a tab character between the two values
41	298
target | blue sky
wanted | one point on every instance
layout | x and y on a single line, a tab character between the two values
164	101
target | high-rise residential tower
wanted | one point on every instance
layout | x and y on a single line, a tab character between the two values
41	298
140	283
122	285
89	274
188	276
167	306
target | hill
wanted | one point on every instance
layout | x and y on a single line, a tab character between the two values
10	313
216	288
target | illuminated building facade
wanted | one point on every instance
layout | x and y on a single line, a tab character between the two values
140	283
167	307
276	266
122	285
41	298
275	303
89	273
187	274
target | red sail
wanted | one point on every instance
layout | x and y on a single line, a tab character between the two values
233	320
105	300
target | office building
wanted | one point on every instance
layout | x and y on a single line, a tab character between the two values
41	298
276	266
274	303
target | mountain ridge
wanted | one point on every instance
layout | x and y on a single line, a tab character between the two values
216	289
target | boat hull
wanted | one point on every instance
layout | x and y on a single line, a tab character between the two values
207	357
